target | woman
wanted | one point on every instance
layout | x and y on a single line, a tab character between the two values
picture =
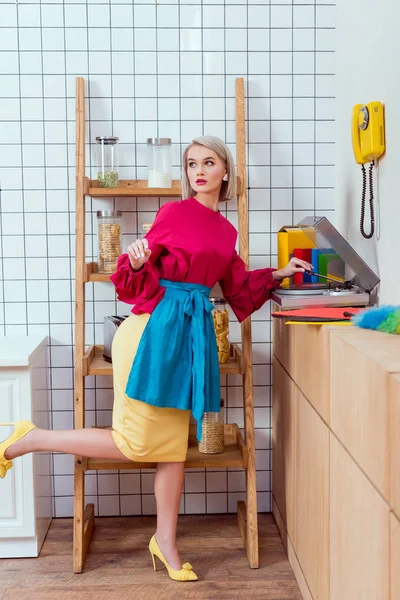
164	355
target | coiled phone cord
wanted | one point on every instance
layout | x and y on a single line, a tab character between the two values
371	200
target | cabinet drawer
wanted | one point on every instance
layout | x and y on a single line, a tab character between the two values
283	345
303	350
359	532
394	420
311	539
283	445
359	401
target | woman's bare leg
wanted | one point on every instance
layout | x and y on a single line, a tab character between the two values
91	442
168	487
98	443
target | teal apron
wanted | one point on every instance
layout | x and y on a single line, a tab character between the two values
176	364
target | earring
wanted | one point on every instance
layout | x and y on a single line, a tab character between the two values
225	177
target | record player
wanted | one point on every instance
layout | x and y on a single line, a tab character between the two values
350	281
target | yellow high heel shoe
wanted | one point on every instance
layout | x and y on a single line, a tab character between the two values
21	429
185	574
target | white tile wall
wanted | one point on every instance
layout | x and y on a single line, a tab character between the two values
168	69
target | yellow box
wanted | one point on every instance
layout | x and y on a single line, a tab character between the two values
289	238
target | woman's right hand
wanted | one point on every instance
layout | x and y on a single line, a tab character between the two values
139	253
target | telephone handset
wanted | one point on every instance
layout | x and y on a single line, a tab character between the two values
368	137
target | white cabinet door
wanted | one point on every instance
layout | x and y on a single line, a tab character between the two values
16	489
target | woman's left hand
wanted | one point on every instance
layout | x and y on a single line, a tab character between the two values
295	265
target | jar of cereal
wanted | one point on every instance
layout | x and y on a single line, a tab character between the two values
109	235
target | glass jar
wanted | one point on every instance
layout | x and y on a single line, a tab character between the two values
212	432
109	224
220	316
107	162
159	163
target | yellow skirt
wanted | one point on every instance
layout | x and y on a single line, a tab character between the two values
142	432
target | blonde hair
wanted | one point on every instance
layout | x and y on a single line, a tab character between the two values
228	188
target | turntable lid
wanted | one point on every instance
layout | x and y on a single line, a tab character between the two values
322	231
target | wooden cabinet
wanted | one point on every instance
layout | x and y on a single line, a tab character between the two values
301	478
361	364
311	537
394	421
283	345
336	459
359	532
293	347
283	445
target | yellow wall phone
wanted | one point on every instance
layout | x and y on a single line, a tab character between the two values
368	137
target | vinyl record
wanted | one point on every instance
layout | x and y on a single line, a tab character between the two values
304	288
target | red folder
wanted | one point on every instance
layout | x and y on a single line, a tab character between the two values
303	254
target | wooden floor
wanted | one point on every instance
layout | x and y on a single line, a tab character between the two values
118	565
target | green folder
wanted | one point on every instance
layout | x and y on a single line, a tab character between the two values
330	264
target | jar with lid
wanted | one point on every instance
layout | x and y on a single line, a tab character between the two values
159	163
109	224
212	432
220	316
107	162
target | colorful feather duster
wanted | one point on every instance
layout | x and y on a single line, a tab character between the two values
381	318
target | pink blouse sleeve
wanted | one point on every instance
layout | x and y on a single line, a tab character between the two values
246	291
142	287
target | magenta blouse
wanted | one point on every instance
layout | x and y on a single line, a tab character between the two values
192	243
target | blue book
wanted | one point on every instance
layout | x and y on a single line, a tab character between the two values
307	257
315	263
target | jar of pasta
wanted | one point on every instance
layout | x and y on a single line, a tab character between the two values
212	432
220	316
109	234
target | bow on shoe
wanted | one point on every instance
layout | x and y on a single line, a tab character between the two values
187	573
5	465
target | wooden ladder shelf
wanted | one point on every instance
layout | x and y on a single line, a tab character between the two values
239	452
